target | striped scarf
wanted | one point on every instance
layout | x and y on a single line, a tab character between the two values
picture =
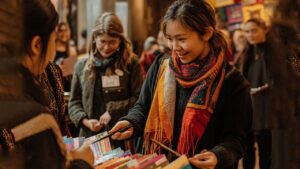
206	78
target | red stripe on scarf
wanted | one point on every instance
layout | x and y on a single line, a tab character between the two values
192	129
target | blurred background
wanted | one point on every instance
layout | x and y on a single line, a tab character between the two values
141	18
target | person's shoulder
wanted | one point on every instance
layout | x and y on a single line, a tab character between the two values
160	58
81	62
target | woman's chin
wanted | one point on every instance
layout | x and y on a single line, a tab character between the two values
185	60
106	55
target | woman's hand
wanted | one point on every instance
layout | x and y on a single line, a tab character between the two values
204	160
84	153
92	124
124	135
105	119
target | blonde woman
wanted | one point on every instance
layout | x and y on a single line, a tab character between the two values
107	83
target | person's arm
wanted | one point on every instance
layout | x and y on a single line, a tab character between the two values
76	111
138	115
115	108
236	123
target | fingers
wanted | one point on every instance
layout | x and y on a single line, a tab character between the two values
102	121
119	125
95	125
203	151
105	119
84	153
205	159
200	163
98	127
123	135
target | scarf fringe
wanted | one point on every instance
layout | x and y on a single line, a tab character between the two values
192	130
150	147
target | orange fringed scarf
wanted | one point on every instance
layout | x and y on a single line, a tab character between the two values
206	77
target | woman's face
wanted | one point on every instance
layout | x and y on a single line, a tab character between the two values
187	44
63	33
107	45
254	33
239	40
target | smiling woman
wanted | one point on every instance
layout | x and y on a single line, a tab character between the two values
193	101
107	45
108	82
188	45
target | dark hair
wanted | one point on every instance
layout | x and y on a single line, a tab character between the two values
198	16
259	22
39	19
109	23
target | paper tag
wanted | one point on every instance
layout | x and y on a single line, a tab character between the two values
110	81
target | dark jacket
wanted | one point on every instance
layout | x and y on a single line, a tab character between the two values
229	125
116	101
257	72
16	108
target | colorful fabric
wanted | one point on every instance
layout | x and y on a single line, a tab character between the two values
206	77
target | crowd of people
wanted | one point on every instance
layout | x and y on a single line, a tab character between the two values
182	91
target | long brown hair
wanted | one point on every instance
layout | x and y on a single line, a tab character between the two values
198	16
109	23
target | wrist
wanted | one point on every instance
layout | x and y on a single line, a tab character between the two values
84	121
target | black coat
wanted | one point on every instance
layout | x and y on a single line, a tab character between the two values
226	133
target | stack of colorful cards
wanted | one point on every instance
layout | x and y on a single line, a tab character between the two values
101	147
73	143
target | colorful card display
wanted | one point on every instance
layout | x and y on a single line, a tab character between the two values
106	158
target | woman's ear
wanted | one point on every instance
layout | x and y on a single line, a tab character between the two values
208	34
36	46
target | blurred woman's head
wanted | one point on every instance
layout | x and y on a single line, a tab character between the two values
255	30
190	27
239	40
63	32
39	22
108	38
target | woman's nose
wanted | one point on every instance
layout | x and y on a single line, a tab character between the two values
175	45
